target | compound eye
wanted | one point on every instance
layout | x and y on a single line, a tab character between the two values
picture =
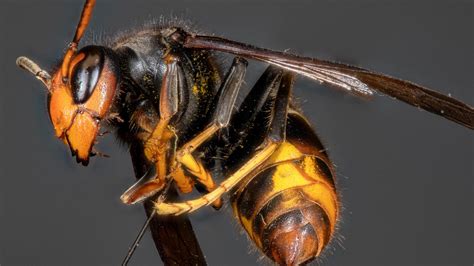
86	73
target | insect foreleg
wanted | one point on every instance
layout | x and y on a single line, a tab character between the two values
162	139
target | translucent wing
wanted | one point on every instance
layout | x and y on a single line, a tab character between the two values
355	80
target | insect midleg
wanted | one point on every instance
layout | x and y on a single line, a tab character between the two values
223	111
274	138
227	96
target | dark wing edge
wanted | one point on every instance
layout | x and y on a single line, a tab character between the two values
355	80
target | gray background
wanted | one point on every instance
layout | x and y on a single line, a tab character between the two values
406	176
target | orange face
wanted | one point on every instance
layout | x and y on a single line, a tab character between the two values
80	101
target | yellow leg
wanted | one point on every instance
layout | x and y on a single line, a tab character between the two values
195	142
234	179
194	167
275	136
184	183
203	177
142	191
157	147
227	95
160	146
185	160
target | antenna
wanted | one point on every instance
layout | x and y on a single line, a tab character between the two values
30	66
80	29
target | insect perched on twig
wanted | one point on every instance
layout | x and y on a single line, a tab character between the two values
161	88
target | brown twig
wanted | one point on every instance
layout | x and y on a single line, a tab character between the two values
173	235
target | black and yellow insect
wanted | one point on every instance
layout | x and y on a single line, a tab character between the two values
292	149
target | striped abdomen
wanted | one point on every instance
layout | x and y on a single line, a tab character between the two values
289	207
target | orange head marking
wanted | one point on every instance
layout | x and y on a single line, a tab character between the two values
81	100
81	91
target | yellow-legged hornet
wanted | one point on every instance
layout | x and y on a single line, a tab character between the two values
171	98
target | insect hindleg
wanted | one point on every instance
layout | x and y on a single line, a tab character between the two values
275	136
